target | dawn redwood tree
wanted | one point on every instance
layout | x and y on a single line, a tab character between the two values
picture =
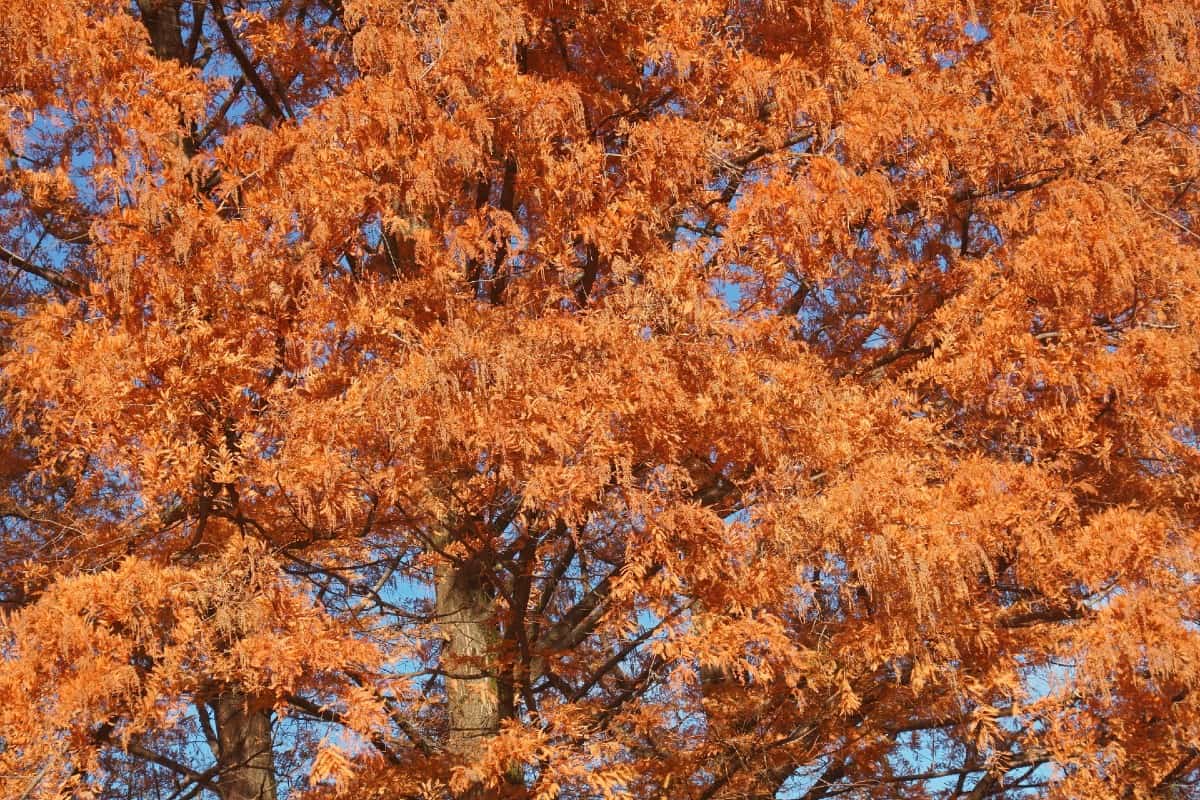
561	399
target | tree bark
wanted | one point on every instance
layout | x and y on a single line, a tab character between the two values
245	752
466	612
161	20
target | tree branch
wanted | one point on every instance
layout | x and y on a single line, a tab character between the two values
50	276
243	60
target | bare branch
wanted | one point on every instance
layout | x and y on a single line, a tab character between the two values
50	276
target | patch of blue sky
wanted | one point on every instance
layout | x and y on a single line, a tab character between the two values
977	31
731	290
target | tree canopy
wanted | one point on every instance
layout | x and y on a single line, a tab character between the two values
565	399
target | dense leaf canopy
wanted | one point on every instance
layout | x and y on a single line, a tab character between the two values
561	399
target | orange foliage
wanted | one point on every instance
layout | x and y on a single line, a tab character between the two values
599	398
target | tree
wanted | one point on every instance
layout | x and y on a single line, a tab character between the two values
707	400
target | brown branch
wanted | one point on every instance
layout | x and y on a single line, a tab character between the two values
48	275
243	60
615	660
35	782
587	279
193	43
197	141
500	274
794	303
104	733
1028	760
329	715
393	710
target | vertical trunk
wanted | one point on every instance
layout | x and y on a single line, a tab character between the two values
244	740
243	728
244	749
466	613
717	702
161	20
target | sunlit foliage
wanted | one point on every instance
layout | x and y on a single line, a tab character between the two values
559	399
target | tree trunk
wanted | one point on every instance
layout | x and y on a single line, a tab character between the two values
244	740
466	612
161	20
244	749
